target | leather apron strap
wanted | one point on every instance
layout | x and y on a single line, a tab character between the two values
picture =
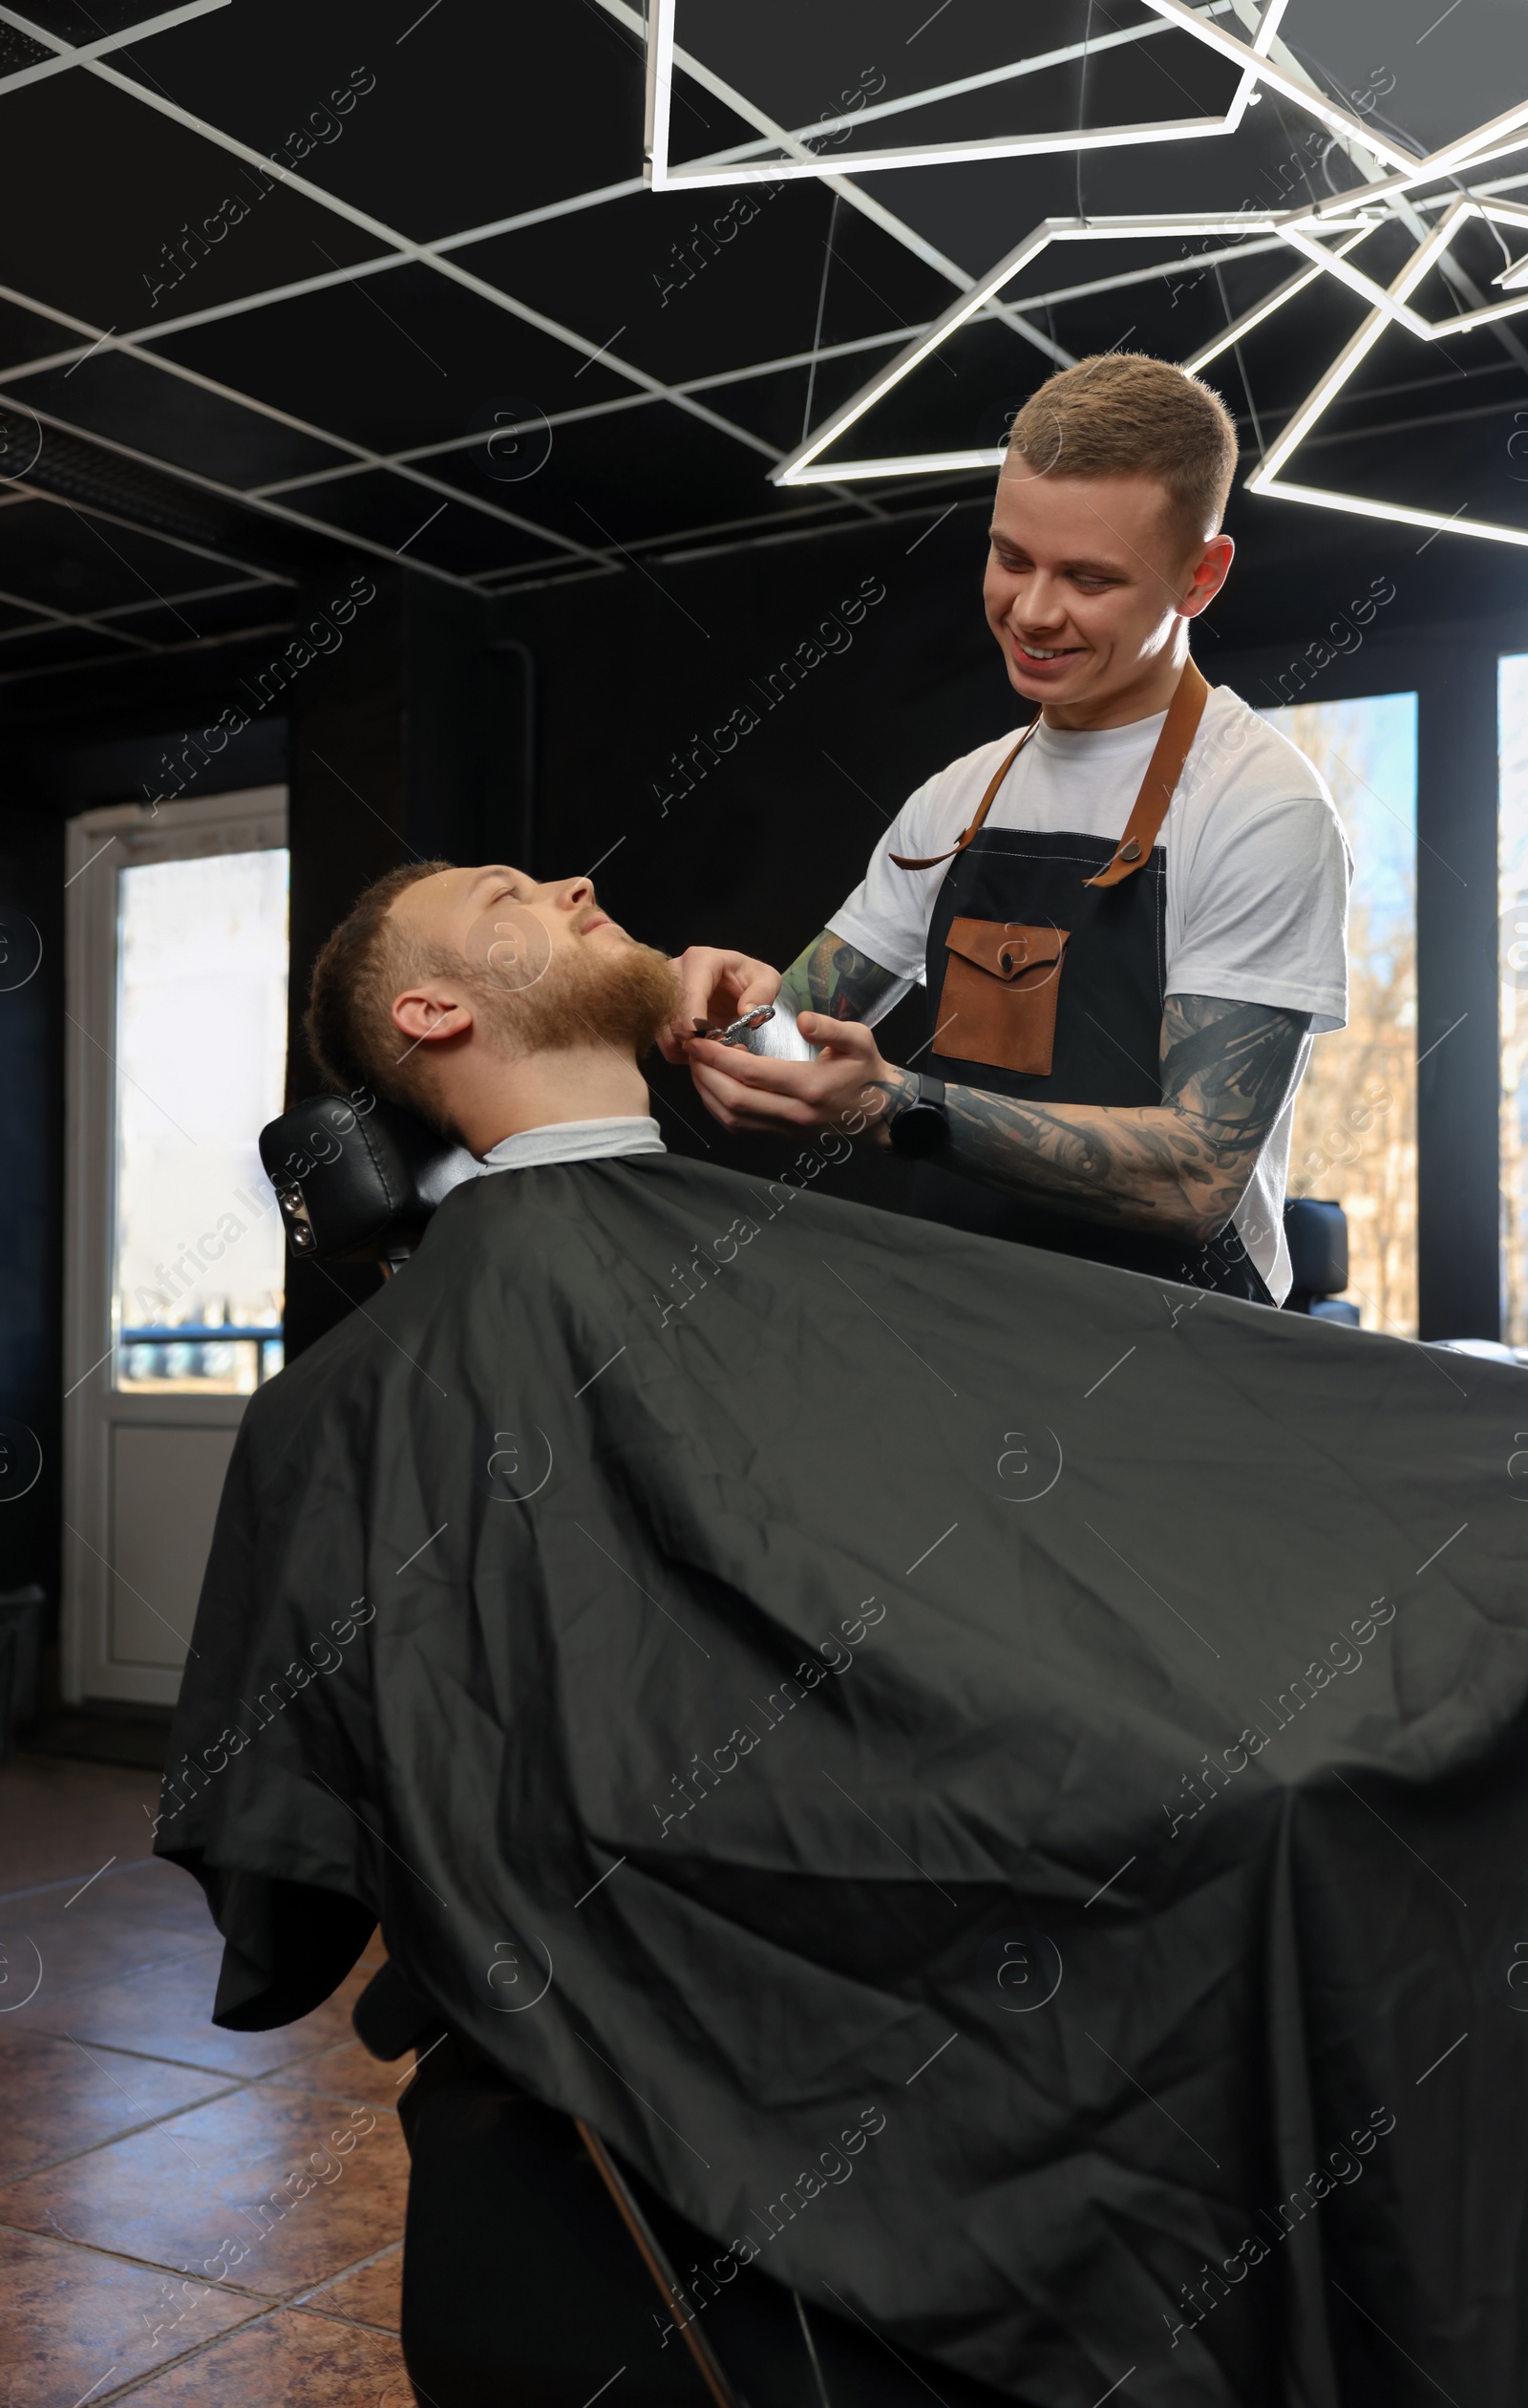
1158	787
903	861
1163	771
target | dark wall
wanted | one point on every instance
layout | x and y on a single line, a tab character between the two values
641	726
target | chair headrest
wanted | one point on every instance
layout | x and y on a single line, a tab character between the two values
1317	1232
356	1178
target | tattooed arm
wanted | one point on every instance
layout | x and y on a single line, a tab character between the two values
1180	1166
835	978
830	976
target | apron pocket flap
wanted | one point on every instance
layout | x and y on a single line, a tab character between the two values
1005	950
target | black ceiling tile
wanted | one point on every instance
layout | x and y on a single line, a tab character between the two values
18	51
775	406
636	475
800	61
17	614
1435	91
421	525
116	213
975	214
74	23
26	334
212	615
75	560
1430	426
457	126
687	284
161	414
59	648
1283	359
389	361
804	64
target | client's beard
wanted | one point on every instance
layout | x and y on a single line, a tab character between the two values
619	996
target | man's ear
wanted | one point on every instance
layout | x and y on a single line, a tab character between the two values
1208	575
425	1015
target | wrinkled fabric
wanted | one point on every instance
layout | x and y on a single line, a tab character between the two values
997	1784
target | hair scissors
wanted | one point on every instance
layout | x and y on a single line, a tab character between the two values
737	1032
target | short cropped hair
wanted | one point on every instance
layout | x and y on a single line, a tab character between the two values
363	965
1121	414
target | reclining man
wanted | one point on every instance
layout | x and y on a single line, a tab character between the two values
962	1765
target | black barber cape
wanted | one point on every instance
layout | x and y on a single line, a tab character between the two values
997	1784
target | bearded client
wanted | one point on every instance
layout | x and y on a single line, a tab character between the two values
990	1861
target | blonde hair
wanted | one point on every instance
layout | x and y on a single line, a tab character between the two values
1121	414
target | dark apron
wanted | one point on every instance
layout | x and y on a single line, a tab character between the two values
1110	990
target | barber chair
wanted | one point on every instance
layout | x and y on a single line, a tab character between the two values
356	1178
536	2268
1316	1231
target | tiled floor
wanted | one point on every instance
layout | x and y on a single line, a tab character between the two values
136	2141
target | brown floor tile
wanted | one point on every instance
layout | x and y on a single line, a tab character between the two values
59	1819
302	2361
349	2072
175	2195
79	1947
60	2099
374	2294
164	1894
69	2318
166	2010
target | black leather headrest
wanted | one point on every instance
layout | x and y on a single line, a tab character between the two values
357	1180
1317	1232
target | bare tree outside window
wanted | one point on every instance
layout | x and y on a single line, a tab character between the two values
1512	860
1355	1120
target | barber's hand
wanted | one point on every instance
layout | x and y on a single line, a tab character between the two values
848	1087
718	987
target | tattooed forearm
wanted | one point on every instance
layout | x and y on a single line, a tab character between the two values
834	977
1181	1165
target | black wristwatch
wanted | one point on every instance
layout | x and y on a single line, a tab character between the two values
919	1126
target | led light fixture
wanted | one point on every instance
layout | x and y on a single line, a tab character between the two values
664	54
1265	477
802	466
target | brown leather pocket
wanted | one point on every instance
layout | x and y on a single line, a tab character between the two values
998	1004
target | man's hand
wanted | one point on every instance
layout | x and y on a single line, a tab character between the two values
718	987
848	1087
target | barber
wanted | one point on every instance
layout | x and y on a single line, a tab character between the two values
1129	923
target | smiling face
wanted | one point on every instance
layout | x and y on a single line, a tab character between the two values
1089	589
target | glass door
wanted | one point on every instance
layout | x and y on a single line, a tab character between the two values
177	1042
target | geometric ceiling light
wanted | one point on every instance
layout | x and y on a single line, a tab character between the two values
664	175
1265	477
1468	206
1354	216
804	467
1253	61
1493	140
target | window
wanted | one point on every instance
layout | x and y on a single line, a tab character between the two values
200	1031
1355	1120
1512	872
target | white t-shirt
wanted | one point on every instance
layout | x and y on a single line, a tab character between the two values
1258	874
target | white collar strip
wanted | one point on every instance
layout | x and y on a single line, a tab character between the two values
576	1141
